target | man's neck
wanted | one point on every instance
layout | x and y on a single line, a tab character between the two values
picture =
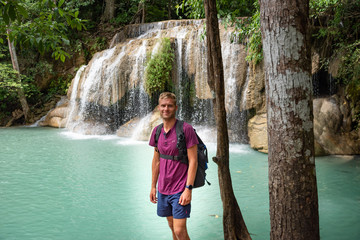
168	124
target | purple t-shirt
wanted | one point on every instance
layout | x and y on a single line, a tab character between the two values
173	174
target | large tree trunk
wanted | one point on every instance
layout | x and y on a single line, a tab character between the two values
109	11
292	177
233	222
20	91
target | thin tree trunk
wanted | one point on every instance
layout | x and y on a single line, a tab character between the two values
143	12
109	11
292	177
20	90
169	9
233	222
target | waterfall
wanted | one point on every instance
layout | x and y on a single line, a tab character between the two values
235	81
109	91
73	103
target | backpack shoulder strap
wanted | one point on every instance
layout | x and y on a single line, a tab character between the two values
181	143
157	134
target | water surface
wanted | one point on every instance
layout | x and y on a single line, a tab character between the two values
59	185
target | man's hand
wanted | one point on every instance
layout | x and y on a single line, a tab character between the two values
153	197
185	197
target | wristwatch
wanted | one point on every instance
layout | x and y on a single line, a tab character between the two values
189	187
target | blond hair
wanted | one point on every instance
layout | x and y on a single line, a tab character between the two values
170	95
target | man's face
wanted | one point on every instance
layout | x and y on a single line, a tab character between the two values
167	108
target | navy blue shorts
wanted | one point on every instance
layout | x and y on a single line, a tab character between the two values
168	205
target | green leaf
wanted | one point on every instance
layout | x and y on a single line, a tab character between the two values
61	12
62	57
12	13
6	19
22	11
61	2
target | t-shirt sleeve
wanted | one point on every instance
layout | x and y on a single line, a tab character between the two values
152	138
190	136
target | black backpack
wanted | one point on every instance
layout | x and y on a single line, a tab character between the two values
202	156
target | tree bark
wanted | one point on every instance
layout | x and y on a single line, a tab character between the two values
169	9
292	177
233	222
143	12
20	91
139	16
109	11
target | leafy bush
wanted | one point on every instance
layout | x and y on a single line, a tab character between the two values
158	68
9	83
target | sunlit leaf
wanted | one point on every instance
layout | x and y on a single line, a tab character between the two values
61	2
61	12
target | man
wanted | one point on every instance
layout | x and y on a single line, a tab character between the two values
174	179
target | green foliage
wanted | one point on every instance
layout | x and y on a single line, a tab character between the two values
99	44
191	8
349	71
4	52
42	25
350	63
60	85
158	68
254	45
247	31
234	8
319	6
10	83
338	21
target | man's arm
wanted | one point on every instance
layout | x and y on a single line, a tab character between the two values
185	197
155	168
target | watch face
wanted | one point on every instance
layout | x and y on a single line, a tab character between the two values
189	186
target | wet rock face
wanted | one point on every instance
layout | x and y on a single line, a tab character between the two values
332	128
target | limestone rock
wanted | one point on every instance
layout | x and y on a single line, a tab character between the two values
255	97
127	129
57	117
140	129
332	126
332	129
257	130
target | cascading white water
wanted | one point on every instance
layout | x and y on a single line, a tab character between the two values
72	103
110	90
